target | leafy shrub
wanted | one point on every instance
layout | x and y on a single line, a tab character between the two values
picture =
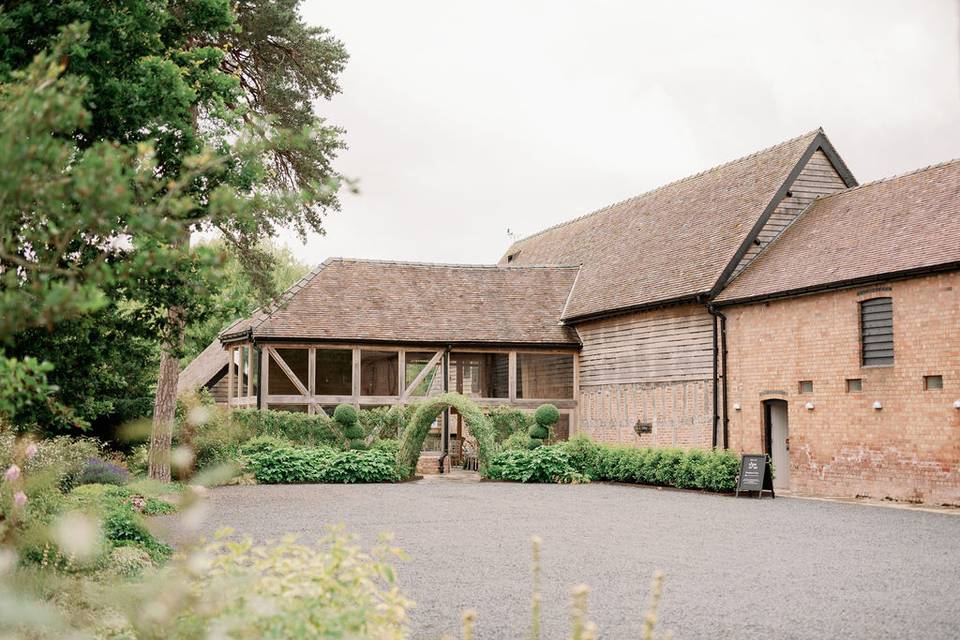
689	474
415	433
122	524
720	471
99	471
290	465
539	432
129	562
62	457
546	415
389	445
263	444
543	464
345	414
355	467
507	421
584	454
300	428
138	460
518	440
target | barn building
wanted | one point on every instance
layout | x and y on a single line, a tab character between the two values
768	304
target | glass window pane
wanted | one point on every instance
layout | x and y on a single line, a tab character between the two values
481	375
545	376
280	384
431	384
378	373
334	372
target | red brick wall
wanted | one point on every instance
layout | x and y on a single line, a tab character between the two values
908	450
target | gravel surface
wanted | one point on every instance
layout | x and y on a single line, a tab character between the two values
784	568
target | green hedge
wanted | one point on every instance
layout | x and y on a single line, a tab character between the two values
301	428
288	464
694	469
542	464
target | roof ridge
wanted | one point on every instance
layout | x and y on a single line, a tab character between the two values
897	176
454	265
814	132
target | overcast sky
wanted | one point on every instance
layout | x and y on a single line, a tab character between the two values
468	119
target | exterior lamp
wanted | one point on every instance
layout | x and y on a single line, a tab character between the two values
809	406
736	405
956	404
877	405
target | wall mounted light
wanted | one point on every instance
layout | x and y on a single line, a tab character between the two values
809	406
736	405
877	405
956	404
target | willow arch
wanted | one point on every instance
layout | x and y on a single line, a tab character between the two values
479	424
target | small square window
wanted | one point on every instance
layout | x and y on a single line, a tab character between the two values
854	385
932	382
806	386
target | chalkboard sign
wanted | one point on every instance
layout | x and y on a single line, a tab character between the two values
755	474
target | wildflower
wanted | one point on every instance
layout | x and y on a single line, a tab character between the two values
12	473
31	450
19	498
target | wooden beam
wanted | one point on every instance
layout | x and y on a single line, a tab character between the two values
512	376
575	414
264	377
356	377
249	371
401	371
311	378
230	385
431	364
287	370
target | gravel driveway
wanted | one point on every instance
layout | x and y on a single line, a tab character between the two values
784	568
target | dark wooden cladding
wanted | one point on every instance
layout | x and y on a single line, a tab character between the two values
818	177
672	344
876	331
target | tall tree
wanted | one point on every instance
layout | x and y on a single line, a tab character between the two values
178	74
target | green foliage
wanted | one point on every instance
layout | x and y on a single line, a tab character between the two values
385	422
693	469
129	562
61	457
345	415
427	411
542	464
263	444
546	415
300	428
507	421
388	444
99	471
538	432
518	440
285	464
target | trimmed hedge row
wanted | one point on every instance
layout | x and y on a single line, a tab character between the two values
301	428
694	469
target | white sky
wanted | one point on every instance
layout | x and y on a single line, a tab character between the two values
464	120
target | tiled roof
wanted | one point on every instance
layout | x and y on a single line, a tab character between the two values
206	365
415	302
876	230
667	244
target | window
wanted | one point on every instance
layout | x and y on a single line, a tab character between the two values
806	386
334	374
854	385
481	375
876	331
544	376
430	383
297	360
932	382
379	372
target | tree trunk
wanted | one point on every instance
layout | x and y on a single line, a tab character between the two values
165	402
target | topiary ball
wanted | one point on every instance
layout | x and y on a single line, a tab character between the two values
345	414
539	432
353	431
547	415
533	443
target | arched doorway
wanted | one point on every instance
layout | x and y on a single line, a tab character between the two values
777	441
416	431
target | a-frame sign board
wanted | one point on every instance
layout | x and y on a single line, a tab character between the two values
756	474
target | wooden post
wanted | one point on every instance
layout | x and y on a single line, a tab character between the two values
401	372
250	371
311	379
239	372
512	376
230	387
264	376
356	377
575	414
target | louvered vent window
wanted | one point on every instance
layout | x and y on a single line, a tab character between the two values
876	331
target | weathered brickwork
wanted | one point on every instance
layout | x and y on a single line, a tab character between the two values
909	449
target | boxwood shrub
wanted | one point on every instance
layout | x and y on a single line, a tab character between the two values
694	469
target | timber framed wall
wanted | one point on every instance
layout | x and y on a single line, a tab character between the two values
646	378
300	376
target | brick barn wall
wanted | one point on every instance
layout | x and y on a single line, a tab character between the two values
909	450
